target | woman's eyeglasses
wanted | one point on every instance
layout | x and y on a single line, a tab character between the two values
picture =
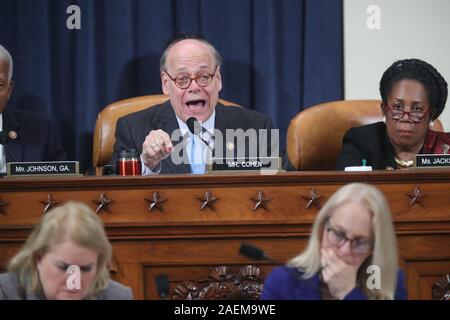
416	116
338	238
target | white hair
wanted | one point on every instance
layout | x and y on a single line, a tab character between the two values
6	56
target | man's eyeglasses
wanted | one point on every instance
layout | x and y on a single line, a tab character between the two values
415	116
202	79
338	238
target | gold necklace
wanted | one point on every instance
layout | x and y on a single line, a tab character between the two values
404	163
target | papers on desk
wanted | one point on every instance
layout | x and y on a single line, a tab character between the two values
358	168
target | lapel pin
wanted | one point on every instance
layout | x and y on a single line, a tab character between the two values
12	135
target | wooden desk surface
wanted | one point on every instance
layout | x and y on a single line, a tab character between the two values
179	238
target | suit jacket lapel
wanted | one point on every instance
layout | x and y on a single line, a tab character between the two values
387	153
14	149
222	123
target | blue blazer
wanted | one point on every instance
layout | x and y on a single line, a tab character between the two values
36	138
285	283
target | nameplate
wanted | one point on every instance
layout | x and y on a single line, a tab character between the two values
244	164
432	161
46	168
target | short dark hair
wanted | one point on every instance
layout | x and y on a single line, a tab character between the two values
421	71
186	36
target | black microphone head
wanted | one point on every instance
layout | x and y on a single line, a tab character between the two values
162	286
191	124
252	252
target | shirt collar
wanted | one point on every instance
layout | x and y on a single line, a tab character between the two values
208	124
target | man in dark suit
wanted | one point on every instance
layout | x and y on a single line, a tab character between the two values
24	136
190	76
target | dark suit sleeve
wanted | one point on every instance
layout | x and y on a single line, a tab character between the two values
54	148
285	163
352	151
124	139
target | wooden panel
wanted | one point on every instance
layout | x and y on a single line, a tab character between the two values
186	243
425	273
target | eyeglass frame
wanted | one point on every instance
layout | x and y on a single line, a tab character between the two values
386	108
211	75
344	239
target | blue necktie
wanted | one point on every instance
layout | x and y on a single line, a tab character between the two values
197	165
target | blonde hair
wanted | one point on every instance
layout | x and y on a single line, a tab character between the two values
74	220
384	253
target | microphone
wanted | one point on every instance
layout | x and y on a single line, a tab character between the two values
255	253
196	129
162	286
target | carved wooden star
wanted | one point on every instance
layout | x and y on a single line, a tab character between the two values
207	201
313	199
103	203
260	201
416	196
49	203
3	206
155	202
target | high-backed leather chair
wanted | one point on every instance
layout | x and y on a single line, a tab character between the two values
105	126
314	137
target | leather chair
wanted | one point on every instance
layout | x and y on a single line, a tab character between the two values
105	126
314	137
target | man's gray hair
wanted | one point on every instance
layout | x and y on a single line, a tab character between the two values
216	55
6	56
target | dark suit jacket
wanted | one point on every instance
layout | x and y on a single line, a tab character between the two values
132	129
372	143
10	289
36	139
368	142
285	283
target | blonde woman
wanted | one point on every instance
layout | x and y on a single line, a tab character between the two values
351	254
65	257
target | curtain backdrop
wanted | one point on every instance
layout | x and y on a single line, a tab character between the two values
280	56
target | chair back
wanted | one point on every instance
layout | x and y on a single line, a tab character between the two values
105	126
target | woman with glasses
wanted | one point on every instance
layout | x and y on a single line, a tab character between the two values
413	94
351	254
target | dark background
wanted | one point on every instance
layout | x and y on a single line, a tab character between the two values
280	56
